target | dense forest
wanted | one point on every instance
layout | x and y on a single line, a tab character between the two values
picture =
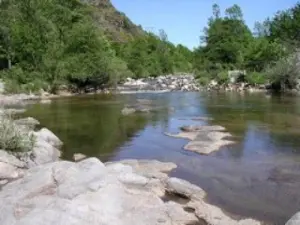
48	44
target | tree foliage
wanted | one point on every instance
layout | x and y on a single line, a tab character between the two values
229	44
57	42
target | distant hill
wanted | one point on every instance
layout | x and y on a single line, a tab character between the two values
117	26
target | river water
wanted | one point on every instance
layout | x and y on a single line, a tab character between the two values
257	177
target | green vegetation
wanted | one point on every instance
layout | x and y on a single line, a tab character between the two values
267	53
46	44
86	45
13	138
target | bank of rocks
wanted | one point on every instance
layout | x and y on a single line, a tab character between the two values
89	192
235	87
180	82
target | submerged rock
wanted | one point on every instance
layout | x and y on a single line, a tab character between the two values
127	111
91	193
204	139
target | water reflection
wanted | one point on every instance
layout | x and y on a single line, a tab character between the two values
259	176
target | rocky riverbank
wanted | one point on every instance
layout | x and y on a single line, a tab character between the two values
180	82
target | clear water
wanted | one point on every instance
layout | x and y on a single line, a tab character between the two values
257	177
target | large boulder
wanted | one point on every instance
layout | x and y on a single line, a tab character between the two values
43	152
48	136
295	220
8	158
91	193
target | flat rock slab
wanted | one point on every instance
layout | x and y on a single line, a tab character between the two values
204	139
92	193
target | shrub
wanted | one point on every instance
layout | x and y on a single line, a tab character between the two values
13	137
222	77
256	78
285	73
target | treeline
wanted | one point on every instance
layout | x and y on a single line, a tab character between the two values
268	53
49	44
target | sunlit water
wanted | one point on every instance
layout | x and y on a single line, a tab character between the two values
257	177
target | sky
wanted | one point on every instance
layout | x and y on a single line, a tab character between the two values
184	20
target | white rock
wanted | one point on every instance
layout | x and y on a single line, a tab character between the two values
43	152
295	220
10	159
182	187
49	137
78	156
8	171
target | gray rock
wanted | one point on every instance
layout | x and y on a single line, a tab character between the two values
203	139
90	193
150	168
183	82
3	182
49	137
182	187
78	157
8	171
295	220
43	152
8	158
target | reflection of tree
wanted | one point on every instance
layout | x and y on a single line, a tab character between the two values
274	116
86	126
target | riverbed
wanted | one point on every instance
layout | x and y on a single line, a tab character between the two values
257	177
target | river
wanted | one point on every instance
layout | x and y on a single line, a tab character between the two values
257	177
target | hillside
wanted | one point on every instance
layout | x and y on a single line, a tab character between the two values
117	26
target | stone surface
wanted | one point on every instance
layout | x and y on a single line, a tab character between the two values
78	157
43	152
149	168
204	139
48	136
91	193
184	188
295	220
8	158
8	171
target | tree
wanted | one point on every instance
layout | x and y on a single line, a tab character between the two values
234	13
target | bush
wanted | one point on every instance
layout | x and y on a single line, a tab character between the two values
222	77
285	73
256	78
13	137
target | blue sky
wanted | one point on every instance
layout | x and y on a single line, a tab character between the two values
183	20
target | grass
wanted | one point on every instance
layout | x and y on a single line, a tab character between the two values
14	138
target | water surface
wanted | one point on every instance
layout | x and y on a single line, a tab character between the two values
257	177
